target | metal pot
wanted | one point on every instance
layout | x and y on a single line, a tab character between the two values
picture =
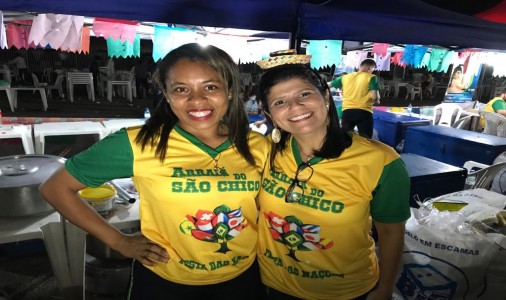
20	177
98	249
107	277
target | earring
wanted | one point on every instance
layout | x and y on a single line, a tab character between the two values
328	105
276	135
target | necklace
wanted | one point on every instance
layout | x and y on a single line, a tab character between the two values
216	163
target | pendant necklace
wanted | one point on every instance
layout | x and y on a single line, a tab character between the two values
216	162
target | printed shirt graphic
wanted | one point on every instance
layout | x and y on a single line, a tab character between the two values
204	217
321	247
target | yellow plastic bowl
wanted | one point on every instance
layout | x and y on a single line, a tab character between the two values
100	198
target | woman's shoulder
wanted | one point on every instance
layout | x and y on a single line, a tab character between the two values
373	148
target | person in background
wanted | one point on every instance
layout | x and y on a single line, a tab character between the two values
141	77
360	90
95	69
495	105
250	103
197	169
427	85
322	189
22	69
457	84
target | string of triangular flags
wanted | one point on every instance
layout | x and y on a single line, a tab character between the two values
68	33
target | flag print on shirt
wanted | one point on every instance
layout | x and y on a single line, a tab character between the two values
217	226
295	234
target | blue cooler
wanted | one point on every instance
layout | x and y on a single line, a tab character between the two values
392	127
453	146
430	178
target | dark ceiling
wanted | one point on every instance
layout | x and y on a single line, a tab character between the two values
467	7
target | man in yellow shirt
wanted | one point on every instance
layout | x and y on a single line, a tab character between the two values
497	105
360	91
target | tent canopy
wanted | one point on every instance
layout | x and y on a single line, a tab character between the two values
393	21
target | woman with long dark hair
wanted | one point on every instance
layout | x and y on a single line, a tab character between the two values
197	169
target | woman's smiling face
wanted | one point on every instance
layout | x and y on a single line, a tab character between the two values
298	107
197	96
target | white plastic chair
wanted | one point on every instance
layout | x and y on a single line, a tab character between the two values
413	91
85	78
463	123
129	84
445	114
58	85
480	175
37	83
495	124
384	88
261	129
105	73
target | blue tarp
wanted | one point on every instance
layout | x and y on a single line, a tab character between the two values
392	21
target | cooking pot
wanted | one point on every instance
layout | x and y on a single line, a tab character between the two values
107	277
20	177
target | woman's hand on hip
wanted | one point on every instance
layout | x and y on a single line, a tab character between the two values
140	248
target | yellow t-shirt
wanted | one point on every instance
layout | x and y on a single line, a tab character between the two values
490	108
204	217
320	248
357	88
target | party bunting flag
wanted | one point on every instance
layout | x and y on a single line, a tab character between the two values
59	31
382	62
117	29
380	48
354	58
3	34
325	53
117	48
167	38
17	33
85	40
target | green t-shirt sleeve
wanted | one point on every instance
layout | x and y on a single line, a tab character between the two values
390	202
499	105
374	84
107	159
337	82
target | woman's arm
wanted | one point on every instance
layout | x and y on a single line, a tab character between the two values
391	245
60	190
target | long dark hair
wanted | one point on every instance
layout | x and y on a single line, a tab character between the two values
164	119
335	139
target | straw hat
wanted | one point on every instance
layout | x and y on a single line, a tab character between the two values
283	57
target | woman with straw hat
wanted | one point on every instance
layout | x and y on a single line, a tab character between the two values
322	190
